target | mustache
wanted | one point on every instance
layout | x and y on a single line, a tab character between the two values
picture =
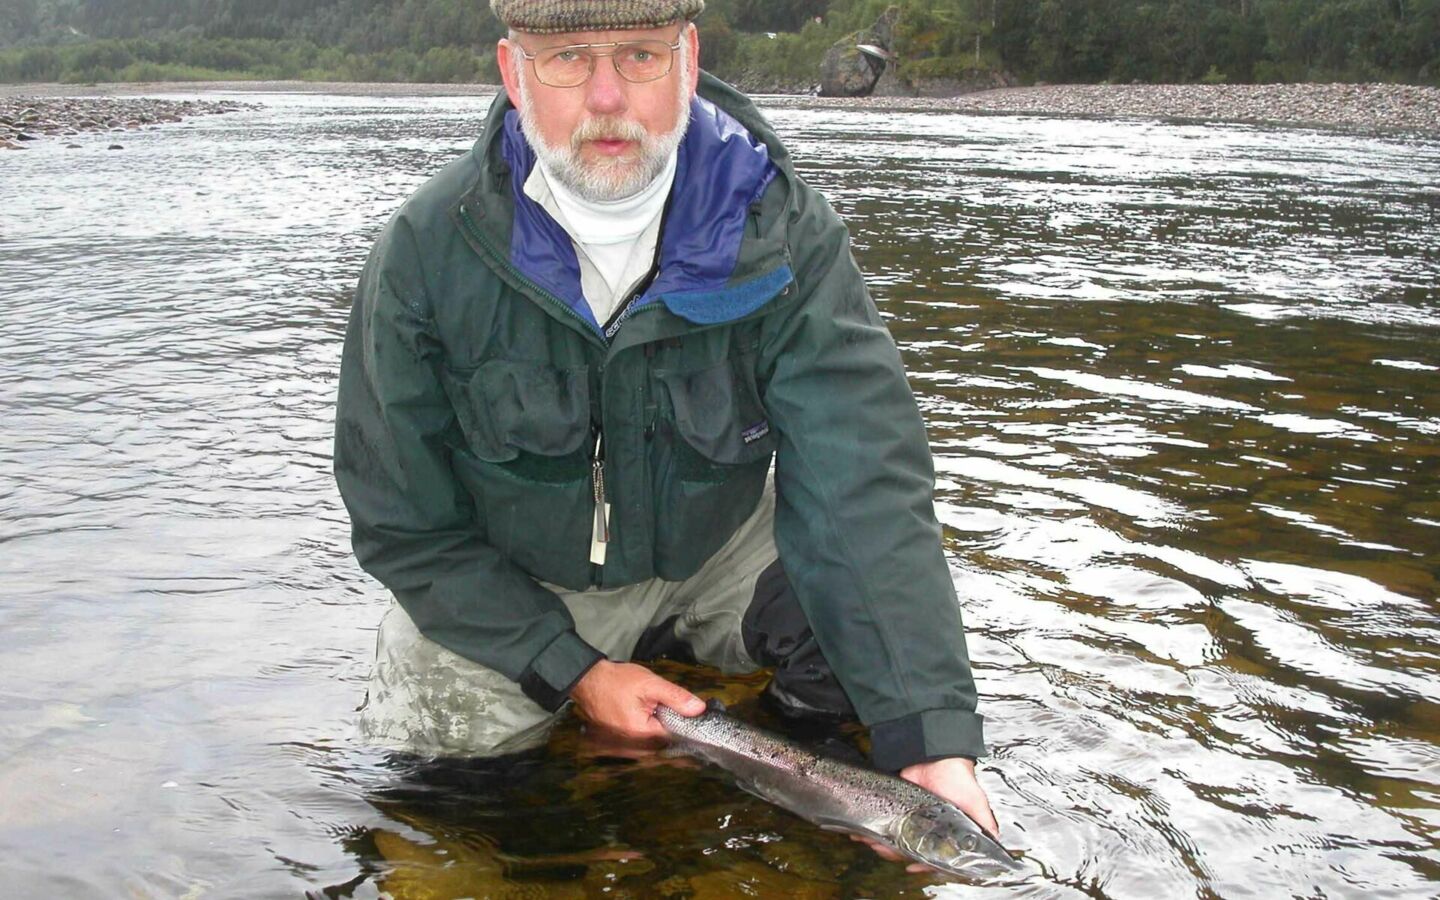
607	128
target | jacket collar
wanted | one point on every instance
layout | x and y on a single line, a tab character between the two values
704	277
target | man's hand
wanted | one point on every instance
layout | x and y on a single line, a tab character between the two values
621	698
954	779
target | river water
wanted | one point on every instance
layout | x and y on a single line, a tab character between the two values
1183	388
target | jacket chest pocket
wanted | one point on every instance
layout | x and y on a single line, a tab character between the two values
716	451
526	463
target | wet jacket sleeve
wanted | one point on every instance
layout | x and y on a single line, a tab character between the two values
413	525
855	521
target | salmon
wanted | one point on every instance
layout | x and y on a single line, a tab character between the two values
839	796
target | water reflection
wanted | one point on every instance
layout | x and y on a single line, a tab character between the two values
1180	383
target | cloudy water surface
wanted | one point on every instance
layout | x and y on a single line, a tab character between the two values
1183	389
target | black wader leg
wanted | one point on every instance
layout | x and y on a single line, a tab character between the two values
660	642
776	633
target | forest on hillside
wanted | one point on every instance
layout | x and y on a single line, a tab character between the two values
748	41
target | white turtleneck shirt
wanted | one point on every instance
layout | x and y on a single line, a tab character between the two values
614	241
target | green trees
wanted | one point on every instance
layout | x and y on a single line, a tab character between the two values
1234	40
1353	38
121	40
769	15
453	40
199	59
1188	40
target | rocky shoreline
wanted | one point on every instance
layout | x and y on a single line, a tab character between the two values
25	119
1371	108
1367	108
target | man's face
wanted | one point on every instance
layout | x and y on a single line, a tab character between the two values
608	138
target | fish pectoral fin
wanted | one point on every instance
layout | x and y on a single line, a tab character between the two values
758	790
851	828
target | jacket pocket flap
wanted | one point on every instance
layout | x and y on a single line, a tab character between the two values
719	414
534	407
506	407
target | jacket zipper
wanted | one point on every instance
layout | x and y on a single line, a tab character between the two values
630	311
520	276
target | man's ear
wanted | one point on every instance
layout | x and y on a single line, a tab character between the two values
505	53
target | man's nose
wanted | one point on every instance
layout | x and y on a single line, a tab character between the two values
605	91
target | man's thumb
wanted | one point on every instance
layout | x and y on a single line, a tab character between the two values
682	701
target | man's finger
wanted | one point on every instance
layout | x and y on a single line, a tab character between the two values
677	698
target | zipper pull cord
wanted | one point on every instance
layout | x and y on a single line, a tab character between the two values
602	518
600	533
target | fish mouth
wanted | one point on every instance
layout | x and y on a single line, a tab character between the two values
987	870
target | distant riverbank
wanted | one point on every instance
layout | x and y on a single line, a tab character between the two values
1385	108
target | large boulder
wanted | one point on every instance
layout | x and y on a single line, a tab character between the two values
847	71
891	84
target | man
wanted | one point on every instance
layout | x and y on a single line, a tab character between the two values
573	356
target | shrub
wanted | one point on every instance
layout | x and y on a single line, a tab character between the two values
98	56
1213	76
38	64
452	65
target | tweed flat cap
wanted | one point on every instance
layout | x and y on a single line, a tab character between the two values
551	16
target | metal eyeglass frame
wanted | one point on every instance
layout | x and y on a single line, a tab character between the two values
674	49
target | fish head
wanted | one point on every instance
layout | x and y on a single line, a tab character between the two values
942	836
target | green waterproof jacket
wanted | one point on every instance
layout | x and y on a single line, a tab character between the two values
481	408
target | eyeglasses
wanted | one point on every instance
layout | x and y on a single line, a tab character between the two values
572	65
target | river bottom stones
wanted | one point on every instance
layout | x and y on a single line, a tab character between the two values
24	119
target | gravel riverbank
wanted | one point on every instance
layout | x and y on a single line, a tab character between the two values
1378	108
1385	108
24	119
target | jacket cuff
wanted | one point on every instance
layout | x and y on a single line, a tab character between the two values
926	736
555	670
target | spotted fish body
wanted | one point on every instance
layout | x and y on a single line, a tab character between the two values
842	797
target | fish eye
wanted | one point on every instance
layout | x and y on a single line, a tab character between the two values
939	846
951	848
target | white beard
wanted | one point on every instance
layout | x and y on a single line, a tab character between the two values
615	178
